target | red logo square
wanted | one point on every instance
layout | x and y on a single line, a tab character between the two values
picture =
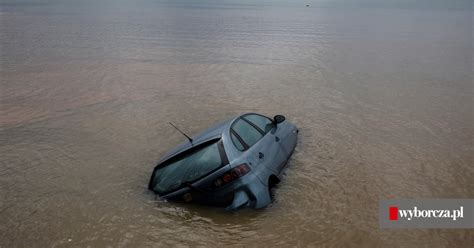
393	213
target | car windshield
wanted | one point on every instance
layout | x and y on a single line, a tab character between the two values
188	168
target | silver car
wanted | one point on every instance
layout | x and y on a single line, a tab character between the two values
233	164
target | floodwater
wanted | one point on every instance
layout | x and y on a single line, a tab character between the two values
382	94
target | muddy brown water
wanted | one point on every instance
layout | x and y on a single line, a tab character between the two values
383	96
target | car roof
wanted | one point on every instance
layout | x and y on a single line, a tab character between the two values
214	132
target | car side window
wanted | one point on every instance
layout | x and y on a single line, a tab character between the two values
236	142
246	133
263	123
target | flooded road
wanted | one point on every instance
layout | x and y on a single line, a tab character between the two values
383	97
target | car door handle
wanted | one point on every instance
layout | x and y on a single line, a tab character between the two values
277	139
261	155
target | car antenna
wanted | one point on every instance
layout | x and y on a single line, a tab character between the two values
189	138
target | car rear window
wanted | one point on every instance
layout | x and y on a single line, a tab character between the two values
188	168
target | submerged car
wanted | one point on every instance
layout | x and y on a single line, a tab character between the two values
233	164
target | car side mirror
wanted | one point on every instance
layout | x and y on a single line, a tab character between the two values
278	119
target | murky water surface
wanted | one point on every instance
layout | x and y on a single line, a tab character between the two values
383	97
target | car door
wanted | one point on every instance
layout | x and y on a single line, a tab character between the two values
253	134
287	134
282	134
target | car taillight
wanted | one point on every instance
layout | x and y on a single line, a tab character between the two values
231	175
